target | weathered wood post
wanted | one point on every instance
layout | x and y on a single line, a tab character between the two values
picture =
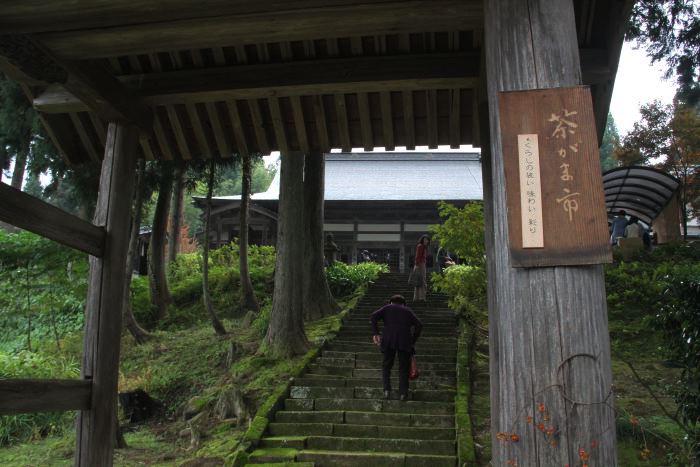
103	314
551	380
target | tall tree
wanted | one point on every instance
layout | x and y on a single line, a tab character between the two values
140	335
285	334
176	213
248	300
668	137
158	281
317	298
206	296
16	123
670	31
611	140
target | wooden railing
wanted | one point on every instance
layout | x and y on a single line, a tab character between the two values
43	395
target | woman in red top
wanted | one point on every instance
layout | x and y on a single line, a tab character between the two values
419	273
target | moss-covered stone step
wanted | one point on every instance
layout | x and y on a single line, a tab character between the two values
429	375
294	434
342	345
314	392
428	335
341	381
424	372
376	356
365	418
371	405
413	446
294	442
285	464
272	455
351	363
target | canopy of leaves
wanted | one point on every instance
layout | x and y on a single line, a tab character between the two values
462	231
670	31
611	140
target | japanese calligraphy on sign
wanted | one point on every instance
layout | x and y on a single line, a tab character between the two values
554	187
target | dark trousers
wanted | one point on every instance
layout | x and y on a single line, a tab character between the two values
388	363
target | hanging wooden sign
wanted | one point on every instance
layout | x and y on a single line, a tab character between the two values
554	185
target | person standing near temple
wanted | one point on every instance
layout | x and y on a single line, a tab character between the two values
418	277
396	338
618	227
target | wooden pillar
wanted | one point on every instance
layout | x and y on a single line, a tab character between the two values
667	224
96	426
549	344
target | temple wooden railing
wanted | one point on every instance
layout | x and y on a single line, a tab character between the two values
106	241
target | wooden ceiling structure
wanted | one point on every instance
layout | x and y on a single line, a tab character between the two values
212	79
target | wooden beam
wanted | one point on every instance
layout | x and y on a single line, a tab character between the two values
84	137
180	138
32	214
321	125
259	126
431	118
387	121
215	121
290	24
408	120
202	140
91	83
162	138
330	76
146	147
237	125
100	128
343	125
365	121
300	124
278	125
43	395
103	311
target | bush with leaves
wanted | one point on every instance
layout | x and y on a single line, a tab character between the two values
344	279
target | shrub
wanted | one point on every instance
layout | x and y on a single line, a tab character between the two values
466	288
344	279
24	364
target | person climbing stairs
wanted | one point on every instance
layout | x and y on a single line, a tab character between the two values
336	414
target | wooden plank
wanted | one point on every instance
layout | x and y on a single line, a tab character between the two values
238	133
408	120
300	124
343	126
32	214
321	125
161	138
146	147
84	137
431	117
289	25
176	125
543	322
100	128
219	57
43	395
365	121
330	76
91	83
202	140
387	121
278	125
454	118
215	121
95	427
259	126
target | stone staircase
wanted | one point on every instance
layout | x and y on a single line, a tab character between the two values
336	415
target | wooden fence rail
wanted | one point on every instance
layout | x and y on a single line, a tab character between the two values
44	395
27	212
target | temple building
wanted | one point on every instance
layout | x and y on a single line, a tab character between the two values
376	204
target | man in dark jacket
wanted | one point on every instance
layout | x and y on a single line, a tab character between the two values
396	337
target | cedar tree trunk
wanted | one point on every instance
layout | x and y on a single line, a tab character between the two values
176	214
18	171
318	300
160	295
248	300
140	335
218	327
285	335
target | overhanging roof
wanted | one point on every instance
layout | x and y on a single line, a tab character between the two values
233	76
640	191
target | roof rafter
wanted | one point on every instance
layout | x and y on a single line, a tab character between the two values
91	83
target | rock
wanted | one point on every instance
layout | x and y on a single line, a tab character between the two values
195	405
231	404
138	405
196	425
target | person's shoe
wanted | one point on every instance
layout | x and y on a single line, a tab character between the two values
403	397
387	395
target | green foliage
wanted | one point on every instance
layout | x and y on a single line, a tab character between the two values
466	288
344	279
462	231
24	364
43	290
611	139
